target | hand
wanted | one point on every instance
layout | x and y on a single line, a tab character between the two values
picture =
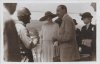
87	42
80	49
56	43
35	41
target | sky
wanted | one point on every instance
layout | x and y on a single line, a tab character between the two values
74	9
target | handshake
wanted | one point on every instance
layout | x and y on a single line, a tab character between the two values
35	39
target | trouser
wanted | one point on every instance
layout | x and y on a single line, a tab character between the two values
86	50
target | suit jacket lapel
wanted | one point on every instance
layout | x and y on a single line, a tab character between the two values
90	26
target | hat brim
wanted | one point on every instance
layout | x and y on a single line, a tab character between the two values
86	17
45	17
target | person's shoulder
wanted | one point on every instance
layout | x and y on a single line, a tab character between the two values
67	16
93	25
19	25
55	24
67	19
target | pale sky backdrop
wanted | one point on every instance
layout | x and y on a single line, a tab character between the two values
74	9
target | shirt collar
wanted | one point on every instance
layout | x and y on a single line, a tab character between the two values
87	26
20	22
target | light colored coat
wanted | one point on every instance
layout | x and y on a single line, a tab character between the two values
48	33
67	40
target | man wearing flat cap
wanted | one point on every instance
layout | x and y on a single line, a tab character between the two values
26	42
88	34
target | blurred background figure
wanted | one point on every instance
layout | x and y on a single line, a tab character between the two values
78	33
49	33
11	46
93	5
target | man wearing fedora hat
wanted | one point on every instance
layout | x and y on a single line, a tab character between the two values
88	34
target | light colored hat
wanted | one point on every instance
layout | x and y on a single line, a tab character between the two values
23	11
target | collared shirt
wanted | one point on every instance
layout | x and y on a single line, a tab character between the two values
23	33
87	26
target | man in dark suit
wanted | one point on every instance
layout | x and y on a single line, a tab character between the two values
88	34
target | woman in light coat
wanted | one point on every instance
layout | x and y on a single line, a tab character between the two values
49	34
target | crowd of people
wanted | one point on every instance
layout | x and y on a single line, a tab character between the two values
58	40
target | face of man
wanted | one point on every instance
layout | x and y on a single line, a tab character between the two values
60	12
86	20
24	15
27	18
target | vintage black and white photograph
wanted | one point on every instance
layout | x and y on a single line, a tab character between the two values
49	32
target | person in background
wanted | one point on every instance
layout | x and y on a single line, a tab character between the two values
36	50
88	34
57	49
78	33
58	21
67	39
49	33
11	46
26	42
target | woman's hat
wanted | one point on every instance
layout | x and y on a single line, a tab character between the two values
86	15
47	14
